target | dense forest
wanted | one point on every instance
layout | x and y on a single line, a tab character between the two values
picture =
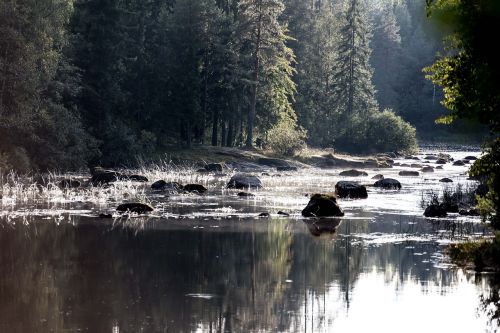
104	81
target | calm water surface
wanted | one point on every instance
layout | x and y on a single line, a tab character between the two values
207	264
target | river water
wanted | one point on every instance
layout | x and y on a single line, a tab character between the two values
209	264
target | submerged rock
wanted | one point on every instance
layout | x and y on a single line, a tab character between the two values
346	189
414	165
242	181
439	167
388	183
409	173
435	211
446	180
135	207
430	157
322	205
353	173
195	188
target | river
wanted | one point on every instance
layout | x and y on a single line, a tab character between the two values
207	263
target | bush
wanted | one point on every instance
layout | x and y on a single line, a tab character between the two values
286	138
377	132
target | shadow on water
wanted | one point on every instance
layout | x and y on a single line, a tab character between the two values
238	276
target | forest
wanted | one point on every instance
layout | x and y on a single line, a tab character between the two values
101	82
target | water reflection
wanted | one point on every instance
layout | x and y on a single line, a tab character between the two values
241	276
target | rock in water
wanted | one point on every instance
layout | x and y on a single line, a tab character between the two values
161	185
446	180
346	189
378	177
101	176
409	173
441	161
135	207
137	178
242	181
245	194
69	183
353	173
427	169
323	226
470	158
213	167
281	213
459	163
322	205
388	183
435	211
195	188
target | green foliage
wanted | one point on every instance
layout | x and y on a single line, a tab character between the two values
378	132
286	138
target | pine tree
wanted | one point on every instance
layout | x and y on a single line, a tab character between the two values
353	91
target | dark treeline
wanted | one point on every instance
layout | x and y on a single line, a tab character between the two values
103	81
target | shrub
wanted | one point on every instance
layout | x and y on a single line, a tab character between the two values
286	138
378	132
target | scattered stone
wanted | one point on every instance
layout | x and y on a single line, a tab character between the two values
346	189
195	188
283	213
242	181
439	167
446	180
435	211
286	168
378	177
446	157
431	157
135	207
409	173
322	205
413	165
162	185
388	183
69	183
441	161
459	163
353	173
213	167
245	194
466	161
427	169
265	174
470	158
265	214
105	216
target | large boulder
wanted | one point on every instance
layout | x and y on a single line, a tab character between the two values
353	173
409	173
346	189
388	183
435	211
242	181
135	207
321	205
197	188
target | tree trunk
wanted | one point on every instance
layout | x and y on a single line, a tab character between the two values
215	127
223	134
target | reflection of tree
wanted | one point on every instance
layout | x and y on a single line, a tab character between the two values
490	301
91	276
